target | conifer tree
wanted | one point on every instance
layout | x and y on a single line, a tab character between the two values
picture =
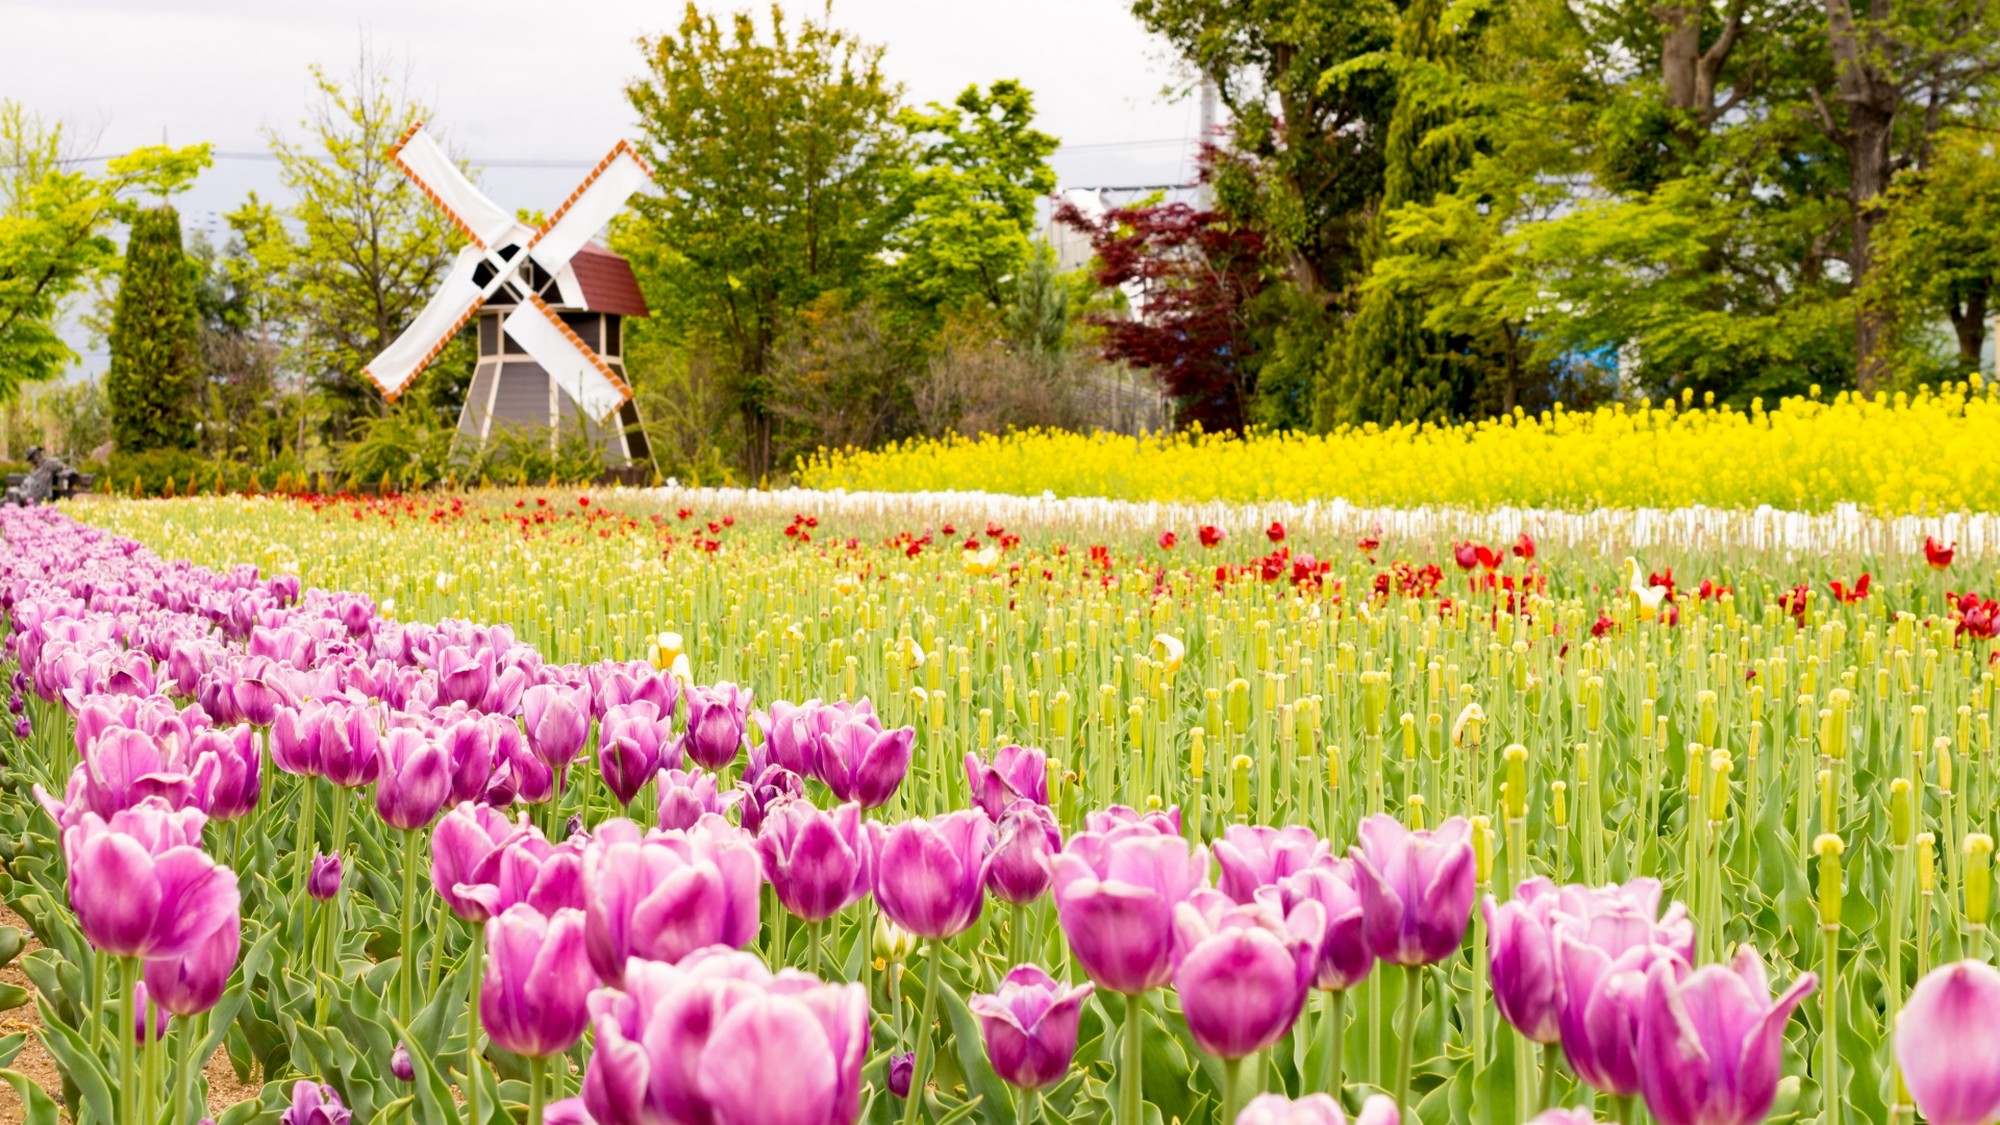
155	339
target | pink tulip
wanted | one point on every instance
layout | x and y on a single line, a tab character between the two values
140	884
930	874
1016	773
413	779
1948	1044
716	718
533	1000
1252	856
1416	889
1711	1040
1030	1026
818	863
1242	971
664	894
1115	897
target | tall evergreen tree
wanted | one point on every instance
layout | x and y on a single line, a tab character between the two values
1395	369
155	339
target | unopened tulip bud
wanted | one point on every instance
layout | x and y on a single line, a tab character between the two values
1941	750
1705	720
1409	724
1240	776
1197	752
1482	849
1978	878
1828	847
1647	713
892	943
1719	767
1516	758
1593	704
1919	728
1416	812
1901	816
1238	704
1559	803
1926	862
1374	699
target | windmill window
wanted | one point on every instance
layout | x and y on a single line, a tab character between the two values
489	335
612	331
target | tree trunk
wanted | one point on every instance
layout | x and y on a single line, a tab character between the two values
1872	99
1680	53
1968	322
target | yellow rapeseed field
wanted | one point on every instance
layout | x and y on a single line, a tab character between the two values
1935	451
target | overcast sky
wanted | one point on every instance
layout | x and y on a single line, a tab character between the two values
520	80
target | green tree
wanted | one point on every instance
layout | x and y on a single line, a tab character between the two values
155	339
369	251
1937	257
773	150
968	197
54	233
1398	366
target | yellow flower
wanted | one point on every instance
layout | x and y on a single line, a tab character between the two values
1648	597
1168	652
983	561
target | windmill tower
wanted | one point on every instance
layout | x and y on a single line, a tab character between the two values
549	302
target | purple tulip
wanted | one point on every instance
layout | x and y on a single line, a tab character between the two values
239	762
194	982
1344	959
558	723
1016	773
628	747
762	790
1315	1109
817	862
1115	898
718	1038
464	675
789	734
1711	1040
314	1104
532	1000
1416	889
1564	1115
140	884
1114	817
1252	856
295	740
1521	954
902	1068
474	752
144	1010
465	849
1948	1044
523	773
528	870
400	1066
716	718
664	894
348	740
1242	971
1605	941
861	763
413	779
930	874
324	881
1030	1026
686	796
1025	846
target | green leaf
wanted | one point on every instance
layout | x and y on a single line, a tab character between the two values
41	1109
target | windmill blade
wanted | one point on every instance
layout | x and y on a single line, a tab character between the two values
581	373
485	222
601	195
458	296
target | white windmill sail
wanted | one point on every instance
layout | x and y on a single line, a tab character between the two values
586	378
494	262
457	299
601	195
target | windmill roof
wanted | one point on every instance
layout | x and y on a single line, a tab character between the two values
607	281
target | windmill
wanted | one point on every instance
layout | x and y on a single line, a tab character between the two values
548	299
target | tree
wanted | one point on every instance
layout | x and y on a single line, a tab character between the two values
1197	272
245	320
155	339
369	252
1901	70
773	151
54	233
968	197
1398	367
1936	256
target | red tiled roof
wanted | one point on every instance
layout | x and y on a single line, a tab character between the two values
607	282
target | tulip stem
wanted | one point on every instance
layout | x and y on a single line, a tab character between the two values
406	972
472	1026
1332	1025
1017	938
1232	1088
149	1061
1830	1094
921	1074
1413	999
1131	1101
128	1085
1549	1057
816	937
537	1088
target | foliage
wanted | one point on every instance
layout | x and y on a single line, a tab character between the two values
369	251
155	339
838	375
773	150
967	197
1934	451
1935	255
1196	271
54	232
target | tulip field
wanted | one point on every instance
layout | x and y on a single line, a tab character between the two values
708	807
